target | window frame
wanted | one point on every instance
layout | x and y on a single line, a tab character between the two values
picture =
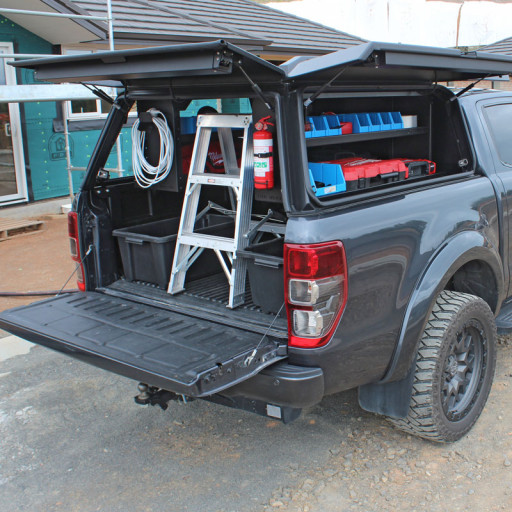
490	126
87	116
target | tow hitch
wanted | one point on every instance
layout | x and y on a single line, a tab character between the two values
150	395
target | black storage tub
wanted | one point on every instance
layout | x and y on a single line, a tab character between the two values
147	250
265	268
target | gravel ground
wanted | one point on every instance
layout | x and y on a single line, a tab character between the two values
73	440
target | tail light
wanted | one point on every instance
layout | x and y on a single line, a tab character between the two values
315	291
74	246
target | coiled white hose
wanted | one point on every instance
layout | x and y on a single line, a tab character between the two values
146	174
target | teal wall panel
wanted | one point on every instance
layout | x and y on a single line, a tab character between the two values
236	106
48	176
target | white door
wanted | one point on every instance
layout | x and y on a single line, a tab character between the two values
13	183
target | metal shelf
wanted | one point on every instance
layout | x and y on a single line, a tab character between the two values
360	137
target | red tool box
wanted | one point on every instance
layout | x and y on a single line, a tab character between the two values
418	168
360	173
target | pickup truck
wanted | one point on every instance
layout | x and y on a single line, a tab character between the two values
380	259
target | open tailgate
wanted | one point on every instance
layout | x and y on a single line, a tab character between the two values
162	348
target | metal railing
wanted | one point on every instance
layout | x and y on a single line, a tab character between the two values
108	19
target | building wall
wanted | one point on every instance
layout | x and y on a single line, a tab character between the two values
44	143
44	148
501	85
36	118
443	23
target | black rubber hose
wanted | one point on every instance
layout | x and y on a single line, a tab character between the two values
35	294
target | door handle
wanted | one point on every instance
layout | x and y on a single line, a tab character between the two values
7	128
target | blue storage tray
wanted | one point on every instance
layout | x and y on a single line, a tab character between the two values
375	122
387	120
360	122
333	125
188	125
318	125
330	174
396	118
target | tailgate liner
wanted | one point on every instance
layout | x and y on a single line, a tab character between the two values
171	350
207	299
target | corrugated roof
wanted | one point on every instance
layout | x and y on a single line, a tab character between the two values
257	27
504	46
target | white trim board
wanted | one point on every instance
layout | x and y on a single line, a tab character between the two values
44	92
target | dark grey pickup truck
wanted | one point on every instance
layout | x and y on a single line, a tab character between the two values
289	232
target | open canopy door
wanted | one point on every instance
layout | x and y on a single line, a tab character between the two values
386	63
178	61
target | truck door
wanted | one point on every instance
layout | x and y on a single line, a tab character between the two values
497	118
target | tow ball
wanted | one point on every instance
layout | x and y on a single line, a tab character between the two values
151	395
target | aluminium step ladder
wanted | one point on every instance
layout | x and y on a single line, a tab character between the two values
239	181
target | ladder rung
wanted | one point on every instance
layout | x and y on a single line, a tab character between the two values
224	121
215	179
208	241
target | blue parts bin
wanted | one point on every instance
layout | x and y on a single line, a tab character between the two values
376	124
387	120
396	117
326	179
333	125
336	125
188	125
318	126
374	121
362	122
325	126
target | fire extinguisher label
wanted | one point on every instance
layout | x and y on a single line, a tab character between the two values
261	168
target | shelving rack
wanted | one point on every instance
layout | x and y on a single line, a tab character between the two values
361	137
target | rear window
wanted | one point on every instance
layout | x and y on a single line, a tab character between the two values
499	121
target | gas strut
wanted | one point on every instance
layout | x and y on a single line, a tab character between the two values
256	88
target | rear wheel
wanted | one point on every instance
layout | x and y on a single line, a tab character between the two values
454	369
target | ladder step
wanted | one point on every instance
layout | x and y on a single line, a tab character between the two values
224	121
208	241
215	179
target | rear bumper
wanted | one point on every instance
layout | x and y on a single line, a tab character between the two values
283	384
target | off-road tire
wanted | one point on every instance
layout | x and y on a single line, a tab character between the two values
454	369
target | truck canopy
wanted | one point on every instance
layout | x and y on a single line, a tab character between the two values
397	63
208	60
366	63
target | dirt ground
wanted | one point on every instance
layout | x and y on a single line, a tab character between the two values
36	262
73	439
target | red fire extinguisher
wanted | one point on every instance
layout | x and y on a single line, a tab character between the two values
263	155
